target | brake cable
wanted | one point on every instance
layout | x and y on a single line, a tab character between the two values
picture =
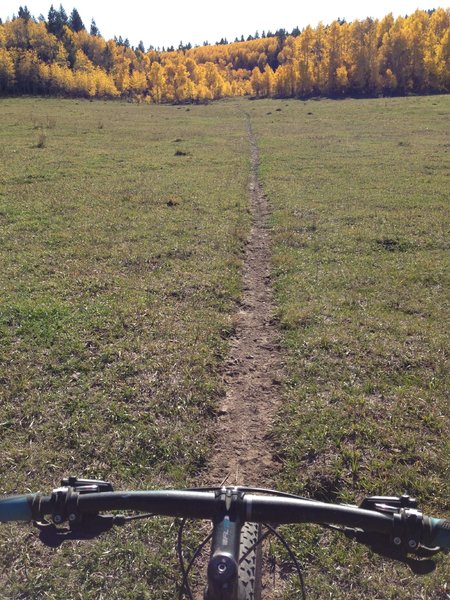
185	588
298	567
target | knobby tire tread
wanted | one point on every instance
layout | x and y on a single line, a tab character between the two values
250	569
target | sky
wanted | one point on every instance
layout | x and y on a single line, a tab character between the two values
167	23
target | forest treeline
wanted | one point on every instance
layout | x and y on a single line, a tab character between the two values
58	56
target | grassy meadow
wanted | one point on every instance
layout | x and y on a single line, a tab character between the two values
121	245
360	198
121	235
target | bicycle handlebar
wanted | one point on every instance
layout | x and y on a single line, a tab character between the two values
403	526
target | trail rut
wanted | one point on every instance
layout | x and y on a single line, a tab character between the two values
243	453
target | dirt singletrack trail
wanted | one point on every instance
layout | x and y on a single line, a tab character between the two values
243	453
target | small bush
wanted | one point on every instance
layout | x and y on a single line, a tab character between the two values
51	122
42	139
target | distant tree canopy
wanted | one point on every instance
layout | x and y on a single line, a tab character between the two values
57	55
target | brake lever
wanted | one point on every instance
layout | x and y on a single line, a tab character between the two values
91	527
380	544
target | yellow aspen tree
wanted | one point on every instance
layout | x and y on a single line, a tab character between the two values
170	69
226	89
286	81
373	73
430	57
214	81
192	69
443	61
358	58
341	79
247	87
437	50
121	60
104	84
384	26
320	65
345	42
61	55
16	33
363	57
27	72
144	63
82	62
279	81
287	52
157	82
304	61
7	71
44	76
397	55
121	78
268	79
61	79
203	93
121	75
197	77
138	83
81	85
415	29
105	87
262	61
256	81
333	57
93	46
90	83
183	86
239	89
43	43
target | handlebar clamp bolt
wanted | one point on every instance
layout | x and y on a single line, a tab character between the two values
412	543
72	517
57	519
397	541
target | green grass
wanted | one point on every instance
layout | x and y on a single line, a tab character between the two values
359	191
120	273
122	228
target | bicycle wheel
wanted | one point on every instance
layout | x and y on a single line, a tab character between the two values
250	567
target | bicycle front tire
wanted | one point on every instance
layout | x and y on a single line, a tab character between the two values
250	565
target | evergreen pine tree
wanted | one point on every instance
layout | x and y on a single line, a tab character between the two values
56	21
75	23
63	15
94	29
24	13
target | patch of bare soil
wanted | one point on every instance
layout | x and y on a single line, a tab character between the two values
243	453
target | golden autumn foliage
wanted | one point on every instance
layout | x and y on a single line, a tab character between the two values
364	58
